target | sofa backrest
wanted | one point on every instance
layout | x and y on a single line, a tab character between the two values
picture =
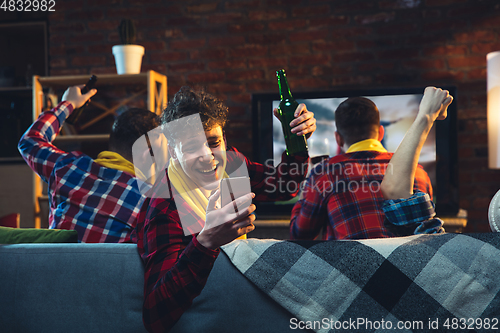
71	288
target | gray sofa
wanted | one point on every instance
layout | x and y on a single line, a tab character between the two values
99	288
260	285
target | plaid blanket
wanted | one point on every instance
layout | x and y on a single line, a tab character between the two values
421	283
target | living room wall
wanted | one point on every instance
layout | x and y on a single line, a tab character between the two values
234	47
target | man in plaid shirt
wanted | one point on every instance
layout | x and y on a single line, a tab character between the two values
403	207
178	264
342	194
100	199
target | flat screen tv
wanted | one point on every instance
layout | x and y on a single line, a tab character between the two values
398	108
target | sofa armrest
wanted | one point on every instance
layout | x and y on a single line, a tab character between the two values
71	288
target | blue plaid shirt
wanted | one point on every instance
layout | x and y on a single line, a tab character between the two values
416	213
102	204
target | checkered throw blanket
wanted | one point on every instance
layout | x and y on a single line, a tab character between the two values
436	280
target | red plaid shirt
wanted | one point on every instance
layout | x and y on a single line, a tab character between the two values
343	195
100	203
177	266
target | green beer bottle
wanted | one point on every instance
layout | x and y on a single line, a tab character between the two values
286	110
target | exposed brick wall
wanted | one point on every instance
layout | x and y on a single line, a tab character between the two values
234	47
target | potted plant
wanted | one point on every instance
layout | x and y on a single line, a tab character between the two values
128	56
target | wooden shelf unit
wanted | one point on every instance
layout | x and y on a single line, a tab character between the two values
156	86
155	89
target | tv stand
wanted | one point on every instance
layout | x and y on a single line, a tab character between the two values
278	228
455	224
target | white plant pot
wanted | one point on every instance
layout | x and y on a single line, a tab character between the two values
128	58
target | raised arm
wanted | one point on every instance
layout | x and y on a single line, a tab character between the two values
398	184
36	144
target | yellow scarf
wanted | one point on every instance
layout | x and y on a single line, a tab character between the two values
113	160
189	191
369	144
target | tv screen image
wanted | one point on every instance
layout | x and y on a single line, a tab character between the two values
397	113
398	108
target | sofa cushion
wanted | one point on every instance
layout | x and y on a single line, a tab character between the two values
71	288
29	235
231	303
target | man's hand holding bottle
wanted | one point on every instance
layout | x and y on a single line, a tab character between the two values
304	122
